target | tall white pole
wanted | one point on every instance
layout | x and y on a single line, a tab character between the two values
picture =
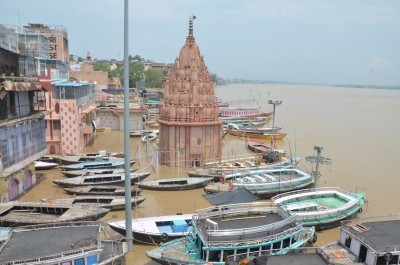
128	201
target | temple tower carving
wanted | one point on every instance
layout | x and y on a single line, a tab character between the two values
190	128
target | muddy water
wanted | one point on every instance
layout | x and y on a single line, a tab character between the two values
357	128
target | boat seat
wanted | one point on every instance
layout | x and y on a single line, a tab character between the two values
301	205
269	177
259	178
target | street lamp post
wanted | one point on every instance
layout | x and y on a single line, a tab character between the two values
274	103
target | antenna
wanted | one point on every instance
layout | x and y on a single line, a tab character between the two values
317	160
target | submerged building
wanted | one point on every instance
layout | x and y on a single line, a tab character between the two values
190	129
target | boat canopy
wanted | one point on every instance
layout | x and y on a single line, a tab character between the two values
239	195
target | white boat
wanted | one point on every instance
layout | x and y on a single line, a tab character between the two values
235	228
265	183
156	229
41	165
322	207
101	179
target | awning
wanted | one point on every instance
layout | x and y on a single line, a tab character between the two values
239	195
20	86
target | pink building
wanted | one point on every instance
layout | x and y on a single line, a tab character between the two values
71	118
190	129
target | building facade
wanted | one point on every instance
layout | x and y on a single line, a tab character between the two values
71	119
22	128
190	129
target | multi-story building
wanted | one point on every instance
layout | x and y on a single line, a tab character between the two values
71	119
22	127
57	39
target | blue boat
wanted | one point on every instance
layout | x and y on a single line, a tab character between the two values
222	231
156	229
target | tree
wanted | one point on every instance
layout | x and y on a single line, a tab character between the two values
153	78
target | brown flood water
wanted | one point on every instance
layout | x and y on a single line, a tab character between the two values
357	128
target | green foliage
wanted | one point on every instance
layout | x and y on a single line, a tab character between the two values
153	78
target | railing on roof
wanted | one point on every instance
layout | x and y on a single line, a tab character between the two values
347	227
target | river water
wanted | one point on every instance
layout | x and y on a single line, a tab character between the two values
357	128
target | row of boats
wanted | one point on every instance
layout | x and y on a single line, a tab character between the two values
233	231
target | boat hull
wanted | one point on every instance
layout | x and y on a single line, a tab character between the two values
175	184
158	229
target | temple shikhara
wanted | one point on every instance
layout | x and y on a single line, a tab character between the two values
190	129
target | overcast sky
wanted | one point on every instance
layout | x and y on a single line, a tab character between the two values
341	41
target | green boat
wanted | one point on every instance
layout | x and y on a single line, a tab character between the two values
235	229
322	207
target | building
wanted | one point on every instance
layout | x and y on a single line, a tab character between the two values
71	119
57	39
22	129
190	129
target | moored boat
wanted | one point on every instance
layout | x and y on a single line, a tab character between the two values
256	134
87	157
174	184
140	133
110	202
94	171
16	213
101	179
265	183
110	190
369	241
263	148
96	164
323	207
235	228
242	112
41	165
156	229
81	244
228	170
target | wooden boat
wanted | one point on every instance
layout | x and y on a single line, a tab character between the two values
322	207
110	190
40	165
16	213
230	169
263	148
88	157
140	133
174	184
100	129
97	164
81	241
156	229
265	183
47	158
372	241
101	179
245	123
113	203
257	135
235	228
87	172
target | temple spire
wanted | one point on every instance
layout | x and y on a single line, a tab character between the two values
193	17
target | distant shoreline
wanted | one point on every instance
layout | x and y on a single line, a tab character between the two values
313	84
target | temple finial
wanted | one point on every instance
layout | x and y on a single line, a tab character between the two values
191	25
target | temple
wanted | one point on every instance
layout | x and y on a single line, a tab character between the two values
190	129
